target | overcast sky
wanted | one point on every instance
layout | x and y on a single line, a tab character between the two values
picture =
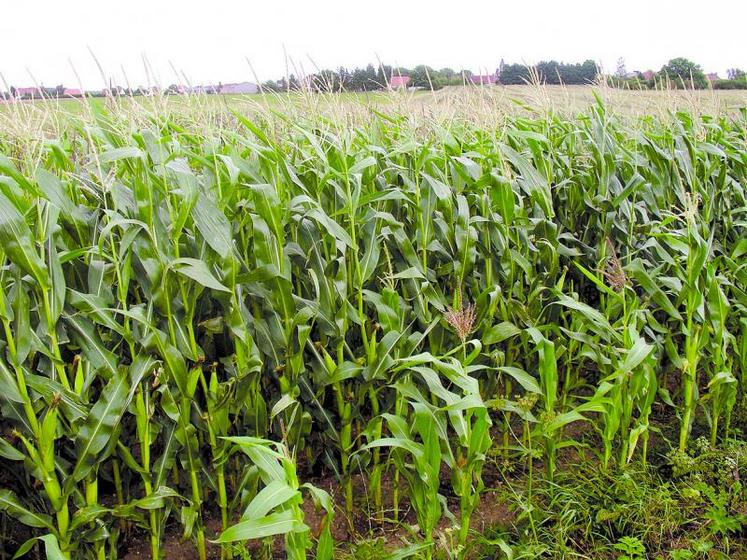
210	40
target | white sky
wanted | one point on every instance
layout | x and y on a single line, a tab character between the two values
209	40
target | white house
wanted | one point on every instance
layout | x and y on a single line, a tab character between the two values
242	87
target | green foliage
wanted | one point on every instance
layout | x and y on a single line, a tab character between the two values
372	78
368	294
427	78
736	83
518	74
276	508
631	548
630	83
683	73
550	72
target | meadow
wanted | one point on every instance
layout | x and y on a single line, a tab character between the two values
475	323
466	102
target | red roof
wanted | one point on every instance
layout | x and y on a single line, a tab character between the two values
399	81
72	92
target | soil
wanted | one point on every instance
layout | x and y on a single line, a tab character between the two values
172	548
491	512
173	545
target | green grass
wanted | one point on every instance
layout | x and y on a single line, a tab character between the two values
425	303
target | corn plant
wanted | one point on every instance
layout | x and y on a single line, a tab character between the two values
631	384
275	509
374	288
419	441
466	416
722	387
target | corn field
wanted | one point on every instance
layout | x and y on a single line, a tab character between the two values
203	325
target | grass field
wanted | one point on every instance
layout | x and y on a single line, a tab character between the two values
503	99
494	323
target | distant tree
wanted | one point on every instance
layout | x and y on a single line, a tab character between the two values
730	84
447	73
269	85
549	72
621	71
13	91
357	80
362	79
343	77
426	77
514	74
383	75
683	73
736	74
325	81
371	77
589	71
293	84
368	76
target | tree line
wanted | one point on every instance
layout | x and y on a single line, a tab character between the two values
370	78
549	72
373	78
679	73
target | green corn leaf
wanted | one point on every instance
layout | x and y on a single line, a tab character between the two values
7	451
8	385
52	188
117	154
270	497
198	271
280	523
51	547
88	514
532	181
213	226
637	354
525	379
12	505
411	447
18	243
500	333
100	426
647	283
